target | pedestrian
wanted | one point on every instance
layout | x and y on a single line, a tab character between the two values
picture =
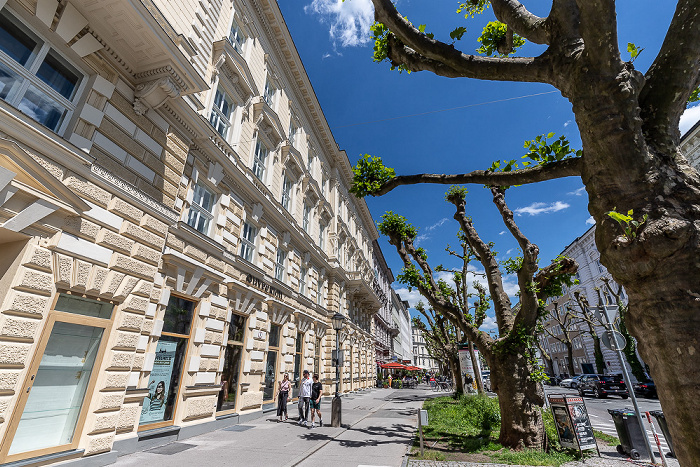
282	396
390	381
304	396
316	393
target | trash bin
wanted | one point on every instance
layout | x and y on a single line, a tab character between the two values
631	436
661	420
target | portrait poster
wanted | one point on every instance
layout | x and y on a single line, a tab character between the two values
562	420
159	383
581	423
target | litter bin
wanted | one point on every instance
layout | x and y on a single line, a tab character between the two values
631	436
661	420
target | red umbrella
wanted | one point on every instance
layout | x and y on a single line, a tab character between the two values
393	366
413	368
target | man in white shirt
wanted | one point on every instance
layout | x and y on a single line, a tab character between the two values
304	397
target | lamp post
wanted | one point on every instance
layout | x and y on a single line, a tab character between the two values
338	321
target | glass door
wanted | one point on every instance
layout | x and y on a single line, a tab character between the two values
51	409
271	364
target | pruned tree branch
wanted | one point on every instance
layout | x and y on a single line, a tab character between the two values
521	21
565	168
598	26
674	74
415	50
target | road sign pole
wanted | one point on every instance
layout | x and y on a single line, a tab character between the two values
628	383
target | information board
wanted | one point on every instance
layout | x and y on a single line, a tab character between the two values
572	422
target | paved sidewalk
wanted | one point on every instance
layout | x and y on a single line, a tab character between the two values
378	428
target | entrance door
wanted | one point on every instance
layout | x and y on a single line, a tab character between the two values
51	409
271	364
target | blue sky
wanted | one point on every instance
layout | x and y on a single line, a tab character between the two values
420	122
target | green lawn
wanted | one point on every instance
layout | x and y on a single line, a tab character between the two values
467	428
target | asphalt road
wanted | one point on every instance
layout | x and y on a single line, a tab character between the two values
602	420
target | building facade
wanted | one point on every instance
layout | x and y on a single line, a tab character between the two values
175	225
402	345
384	330
421	357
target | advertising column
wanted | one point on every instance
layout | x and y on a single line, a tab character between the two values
466	367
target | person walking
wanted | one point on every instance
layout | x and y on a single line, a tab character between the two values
282	396
316	393
304	396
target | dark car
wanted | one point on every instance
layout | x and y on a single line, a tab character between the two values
647	389
602	386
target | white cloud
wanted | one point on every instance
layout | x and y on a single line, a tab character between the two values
510	251
489	324
541	208
567	123
689	118
501	232
579	192
427	231
590	221
412	297
348	21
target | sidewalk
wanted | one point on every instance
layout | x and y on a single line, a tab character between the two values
378	428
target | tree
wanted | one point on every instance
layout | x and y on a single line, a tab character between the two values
441	341
565	319
585	311
631	159
515	375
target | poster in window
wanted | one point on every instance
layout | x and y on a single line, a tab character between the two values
159	383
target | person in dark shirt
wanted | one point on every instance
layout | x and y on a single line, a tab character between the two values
316	393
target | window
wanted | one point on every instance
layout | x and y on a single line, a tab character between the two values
271	363
310	163
305	217
319	292
260	160
317	357
269	93
232	364
600	266
236	37
298	349
287	185
201	209
322	236
279	265
248	242
34	77
221	111
302	280
293	130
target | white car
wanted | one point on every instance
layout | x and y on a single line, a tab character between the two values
566	383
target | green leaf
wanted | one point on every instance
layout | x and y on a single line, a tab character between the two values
458	33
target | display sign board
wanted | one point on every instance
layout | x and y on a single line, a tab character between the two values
159	386
572	422
466	367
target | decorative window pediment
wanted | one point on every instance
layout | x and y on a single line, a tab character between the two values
227	61
268	122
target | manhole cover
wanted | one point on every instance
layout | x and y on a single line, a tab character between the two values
170	449
238	428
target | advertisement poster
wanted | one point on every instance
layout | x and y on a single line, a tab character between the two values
466	367
582	424
572	422
159	383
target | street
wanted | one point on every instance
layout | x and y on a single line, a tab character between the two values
602	420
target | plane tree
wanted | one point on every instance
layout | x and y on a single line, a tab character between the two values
441	341
631	161
515	374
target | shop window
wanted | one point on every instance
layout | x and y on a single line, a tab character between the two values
202	209
221	113
260	160
34	77
171	351
269	390
232	364
280	264
248	242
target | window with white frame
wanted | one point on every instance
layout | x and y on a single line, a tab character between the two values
305	218
293	129
248	242
319	292
34	77
269	92
310	163
202	209
260	160
221	112
287	185
280	263
236	37
302	280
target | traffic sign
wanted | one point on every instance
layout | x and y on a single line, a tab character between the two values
613	340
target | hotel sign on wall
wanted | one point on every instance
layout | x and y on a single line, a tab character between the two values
263	286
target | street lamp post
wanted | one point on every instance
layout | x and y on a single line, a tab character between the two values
338	321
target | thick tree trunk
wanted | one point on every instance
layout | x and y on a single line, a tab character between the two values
477	373
519	400
456	373
570	355
658	265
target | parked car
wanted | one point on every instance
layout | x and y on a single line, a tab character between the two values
601	386
486	380
647	389
570	382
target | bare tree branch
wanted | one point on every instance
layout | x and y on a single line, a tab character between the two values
520	20
419	52
674	74
599	31
564	168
